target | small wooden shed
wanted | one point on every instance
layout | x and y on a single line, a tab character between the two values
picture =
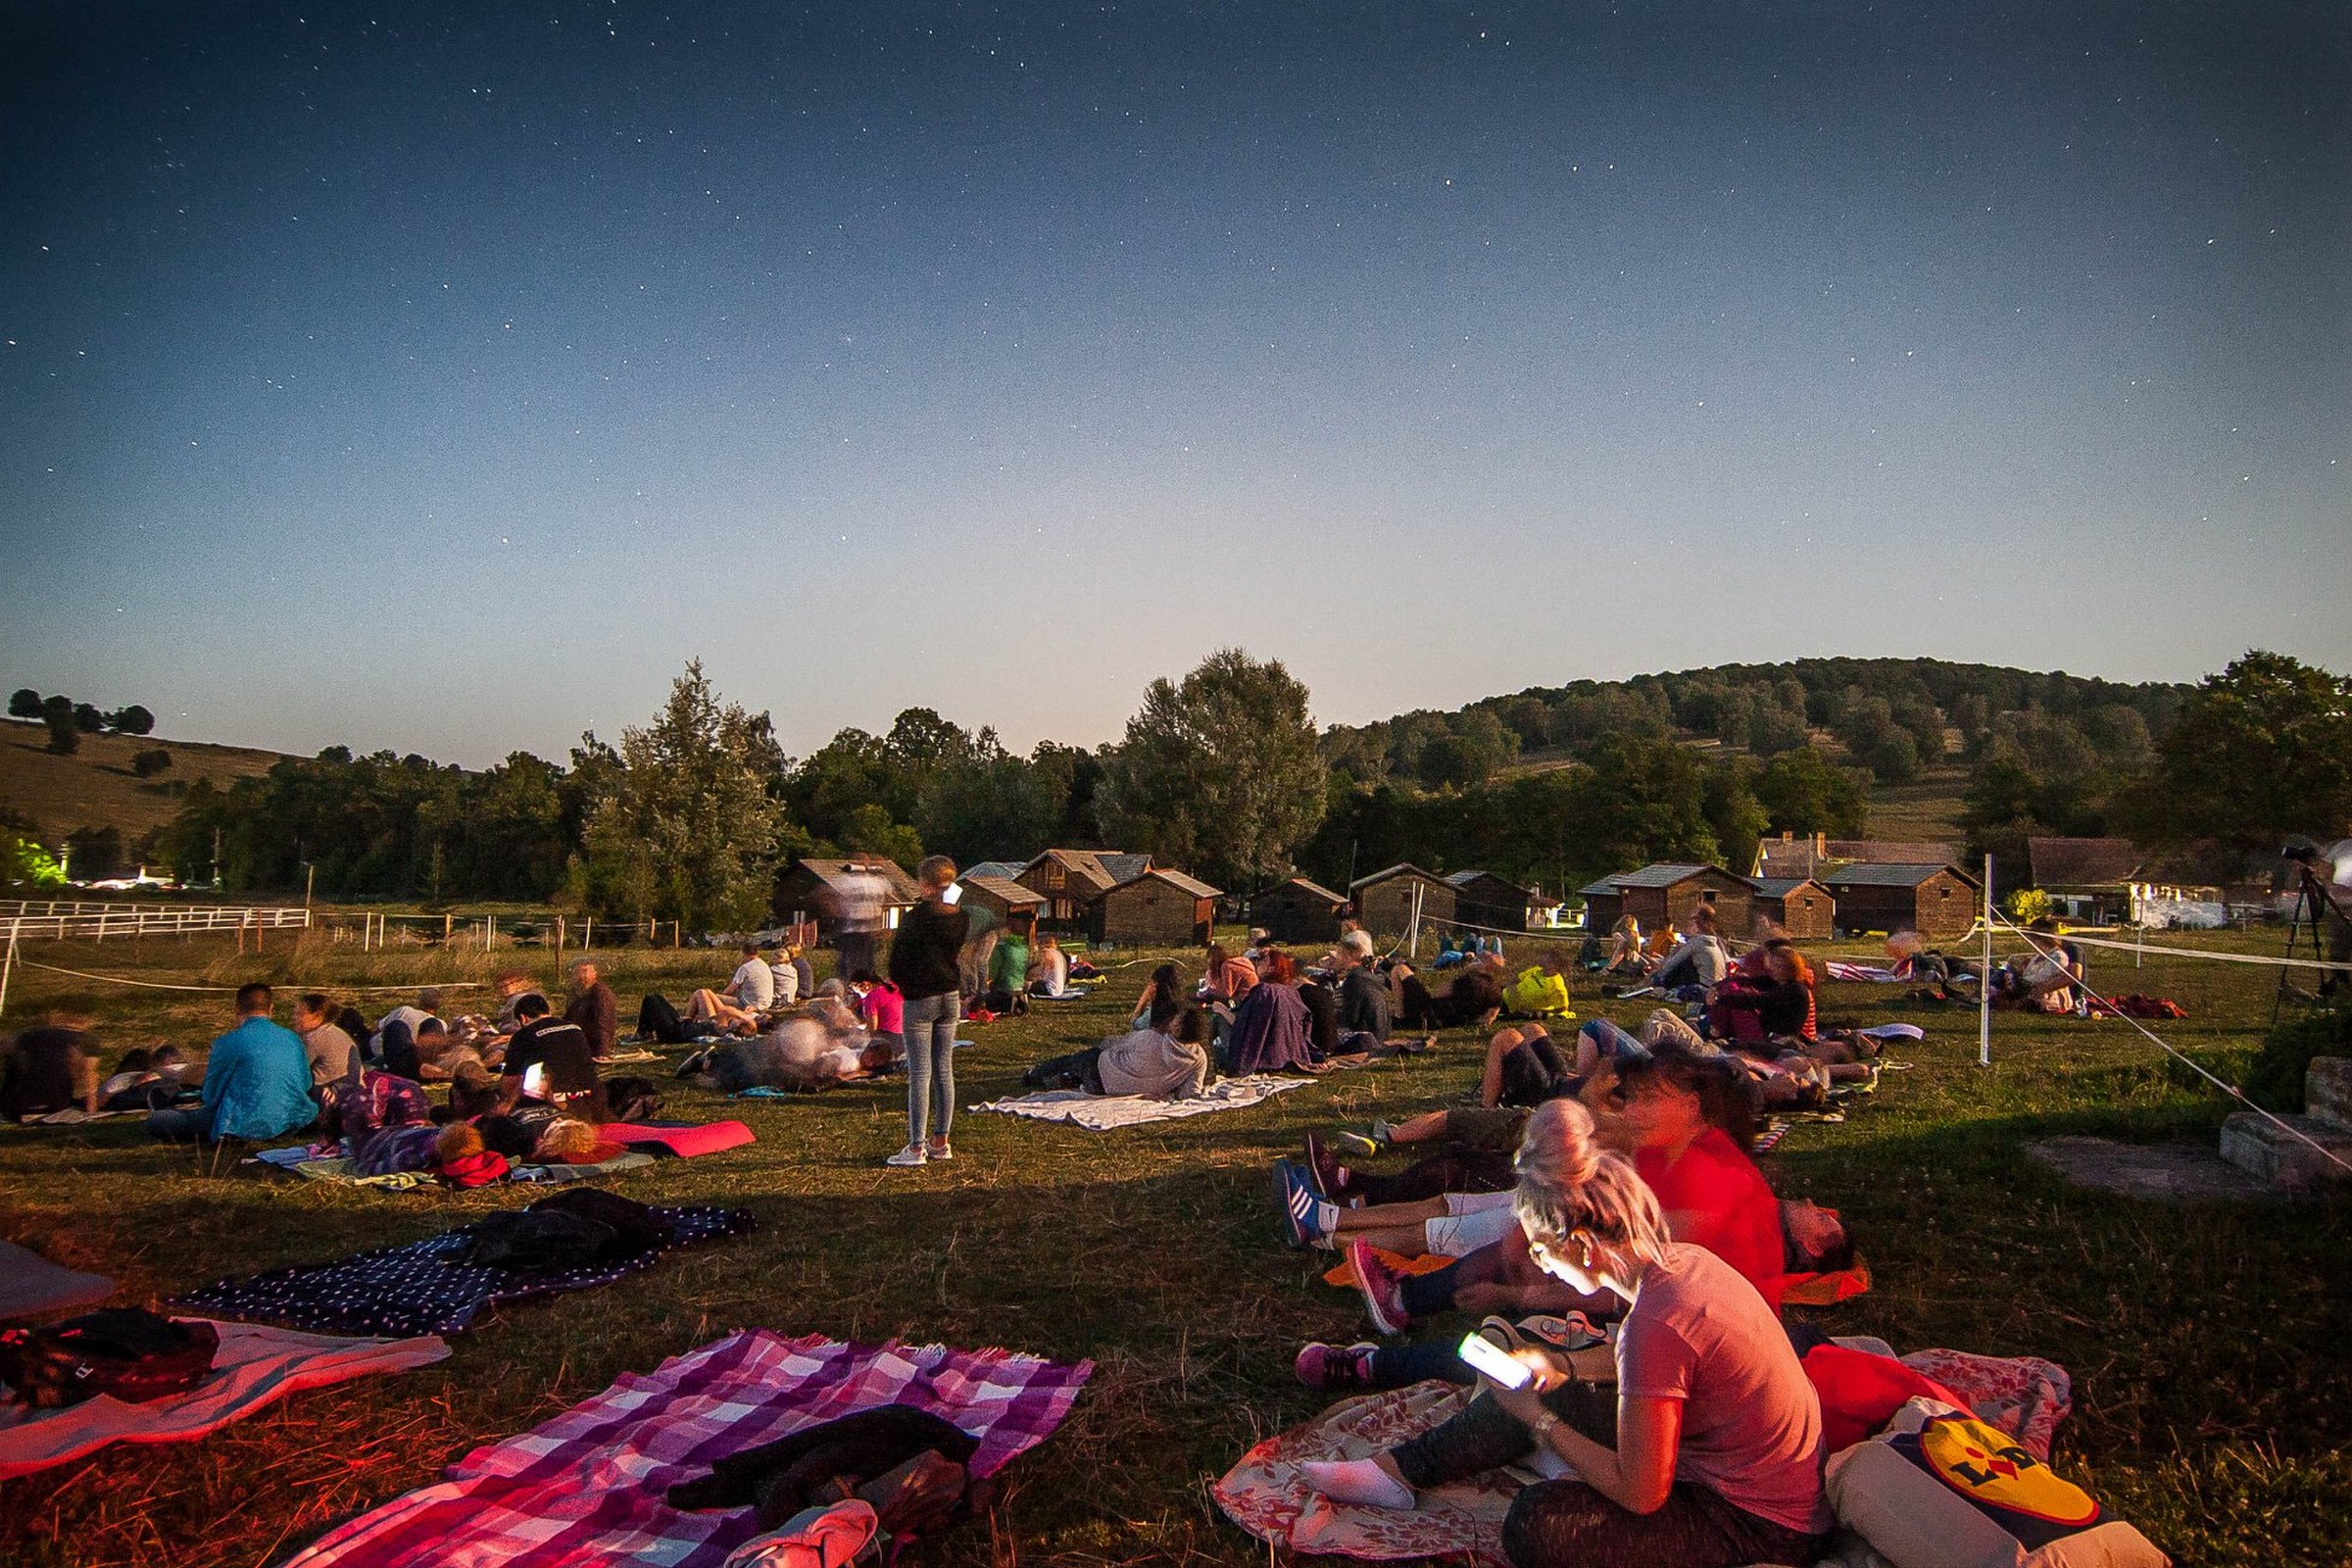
1938	901
1298	911
1160	908
1008	902
1669	891
1384	900
1800	907
1481	898
1071	880
812	885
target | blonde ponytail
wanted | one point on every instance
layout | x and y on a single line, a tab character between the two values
1567	1183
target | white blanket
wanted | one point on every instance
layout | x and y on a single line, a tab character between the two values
1099	1112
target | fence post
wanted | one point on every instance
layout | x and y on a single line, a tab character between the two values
8	965
588	933
1984	985
102	926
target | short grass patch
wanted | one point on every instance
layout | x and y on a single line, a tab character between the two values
2213	1386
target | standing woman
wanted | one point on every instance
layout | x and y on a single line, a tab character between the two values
923	966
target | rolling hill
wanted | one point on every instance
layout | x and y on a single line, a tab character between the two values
96	788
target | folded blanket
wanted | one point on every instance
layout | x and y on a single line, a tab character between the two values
419	1288
253	1366
587	1485
30	1283
1100	1113
560	1171
1869	974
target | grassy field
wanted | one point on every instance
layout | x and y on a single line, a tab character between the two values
2207	1343
95	787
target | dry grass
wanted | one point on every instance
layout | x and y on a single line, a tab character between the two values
2214	1398
95	787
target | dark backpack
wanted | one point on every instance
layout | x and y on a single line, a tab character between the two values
632	1099
126	1352
583	1228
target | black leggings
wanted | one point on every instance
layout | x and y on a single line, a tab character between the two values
1458	1170
1080	1069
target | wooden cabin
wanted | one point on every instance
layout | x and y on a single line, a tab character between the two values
1669	891
1005	902
1481	898
1384	900
812	885
1160	908
1791	856
1938	901
1071	880
1301	912
1800	907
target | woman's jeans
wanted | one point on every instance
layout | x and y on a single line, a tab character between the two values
931	1064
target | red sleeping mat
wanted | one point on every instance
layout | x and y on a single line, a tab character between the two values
683	1142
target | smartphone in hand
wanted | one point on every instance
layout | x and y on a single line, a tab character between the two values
1483	1354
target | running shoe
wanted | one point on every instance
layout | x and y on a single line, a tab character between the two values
1335	1367
1323	1167
1383	1289
911	1155
1356	1142
1296	1195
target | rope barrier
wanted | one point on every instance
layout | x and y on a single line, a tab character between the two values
2202	952
291	985
2194	1065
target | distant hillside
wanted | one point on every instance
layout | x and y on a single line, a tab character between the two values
96	788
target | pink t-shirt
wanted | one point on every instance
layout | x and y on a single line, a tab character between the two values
884	1009
1751	1420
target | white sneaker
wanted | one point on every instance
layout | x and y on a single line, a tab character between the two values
911	1155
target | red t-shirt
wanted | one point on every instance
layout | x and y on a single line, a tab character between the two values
1727	1205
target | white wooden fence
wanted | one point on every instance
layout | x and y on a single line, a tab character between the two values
58	921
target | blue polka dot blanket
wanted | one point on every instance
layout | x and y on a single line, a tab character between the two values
425	1287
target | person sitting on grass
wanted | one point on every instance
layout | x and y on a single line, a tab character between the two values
1541	990
594	1007
1778	1003
334	1056
51	1068
1707	1451
144	1078
1050	970
410	1018
882	1011
1163	997
1473	1001
1625	954
549	1063
1168	1062
1698	959
1271	1025
256	1081
1009	973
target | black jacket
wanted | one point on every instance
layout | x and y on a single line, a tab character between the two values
923	953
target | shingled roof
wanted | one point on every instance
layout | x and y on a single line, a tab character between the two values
1864	874
2082	862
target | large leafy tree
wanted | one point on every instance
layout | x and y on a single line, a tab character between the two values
1219	773
689	832
2259	753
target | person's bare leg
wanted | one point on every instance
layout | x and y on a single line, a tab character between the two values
1426	1128
1489	1083
1390	1218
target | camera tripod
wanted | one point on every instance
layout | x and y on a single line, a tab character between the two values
2312	900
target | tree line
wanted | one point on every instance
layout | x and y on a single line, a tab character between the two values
1225	773
68	721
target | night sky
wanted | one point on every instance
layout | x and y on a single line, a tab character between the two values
442	377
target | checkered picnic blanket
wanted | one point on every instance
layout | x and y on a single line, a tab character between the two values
586	1487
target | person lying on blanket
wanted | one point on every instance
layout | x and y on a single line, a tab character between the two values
800	1053
1684	1120
1705	1454
1170	1063
52	1067
1473	1001
2044	977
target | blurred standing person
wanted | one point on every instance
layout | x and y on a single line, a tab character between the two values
923	966
862	898
592	1006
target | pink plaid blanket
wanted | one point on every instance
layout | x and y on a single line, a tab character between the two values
586	1487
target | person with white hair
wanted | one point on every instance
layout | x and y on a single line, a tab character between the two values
1706	1452
1365	1004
